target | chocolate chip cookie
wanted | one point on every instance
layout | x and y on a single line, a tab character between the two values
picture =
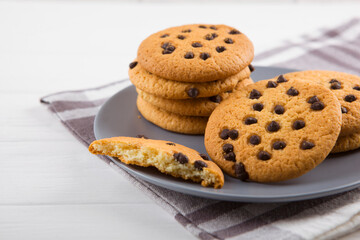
169	89
168	157
190	107
196	53
347	143
347	89
273	130
171	121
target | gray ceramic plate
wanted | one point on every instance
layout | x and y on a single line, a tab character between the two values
119	117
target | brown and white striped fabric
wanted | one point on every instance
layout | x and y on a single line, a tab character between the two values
323	218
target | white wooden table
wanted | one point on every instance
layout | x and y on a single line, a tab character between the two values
50	186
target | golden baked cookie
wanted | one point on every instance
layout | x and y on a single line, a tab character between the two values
196	53
190	107
171	121
273	130
169	89
347	89
347	143
168	157
241	84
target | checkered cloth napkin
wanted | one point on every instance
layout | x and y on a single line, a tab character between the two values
323	218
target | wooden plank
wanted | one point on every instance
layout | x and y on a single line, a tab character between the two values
111	221
60	172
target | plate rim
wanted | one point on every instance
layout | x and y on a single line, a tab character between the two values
232	197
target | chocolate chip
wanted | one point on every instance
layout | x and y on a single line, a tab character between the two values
250	120
171	143
240	172
132	65
278	145
211	36
263	155
228	148
165	45
196	44
204	56
334	81
292	92
216	98
181	158
166	52
317	106
202	26
278	109
213	28
181	37
271	84
281	79
335	86
230	156
192	92
313	99
204	156
199	165
164	36
306	145
228	41
251	68
356	88
208	37
168	48
298	124
258	106
234	31
220	49
350	98
141	136
233	134
230	91
255	94
255	140
186	31
189	55
224	134
273	126
344	109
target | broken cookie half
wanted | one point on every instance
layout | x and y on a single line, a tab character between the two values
168	157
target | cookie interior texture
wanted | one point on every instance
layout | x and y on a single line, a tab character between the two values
146	155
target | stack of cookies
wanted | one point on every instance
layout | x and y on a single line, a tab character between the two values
182	73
